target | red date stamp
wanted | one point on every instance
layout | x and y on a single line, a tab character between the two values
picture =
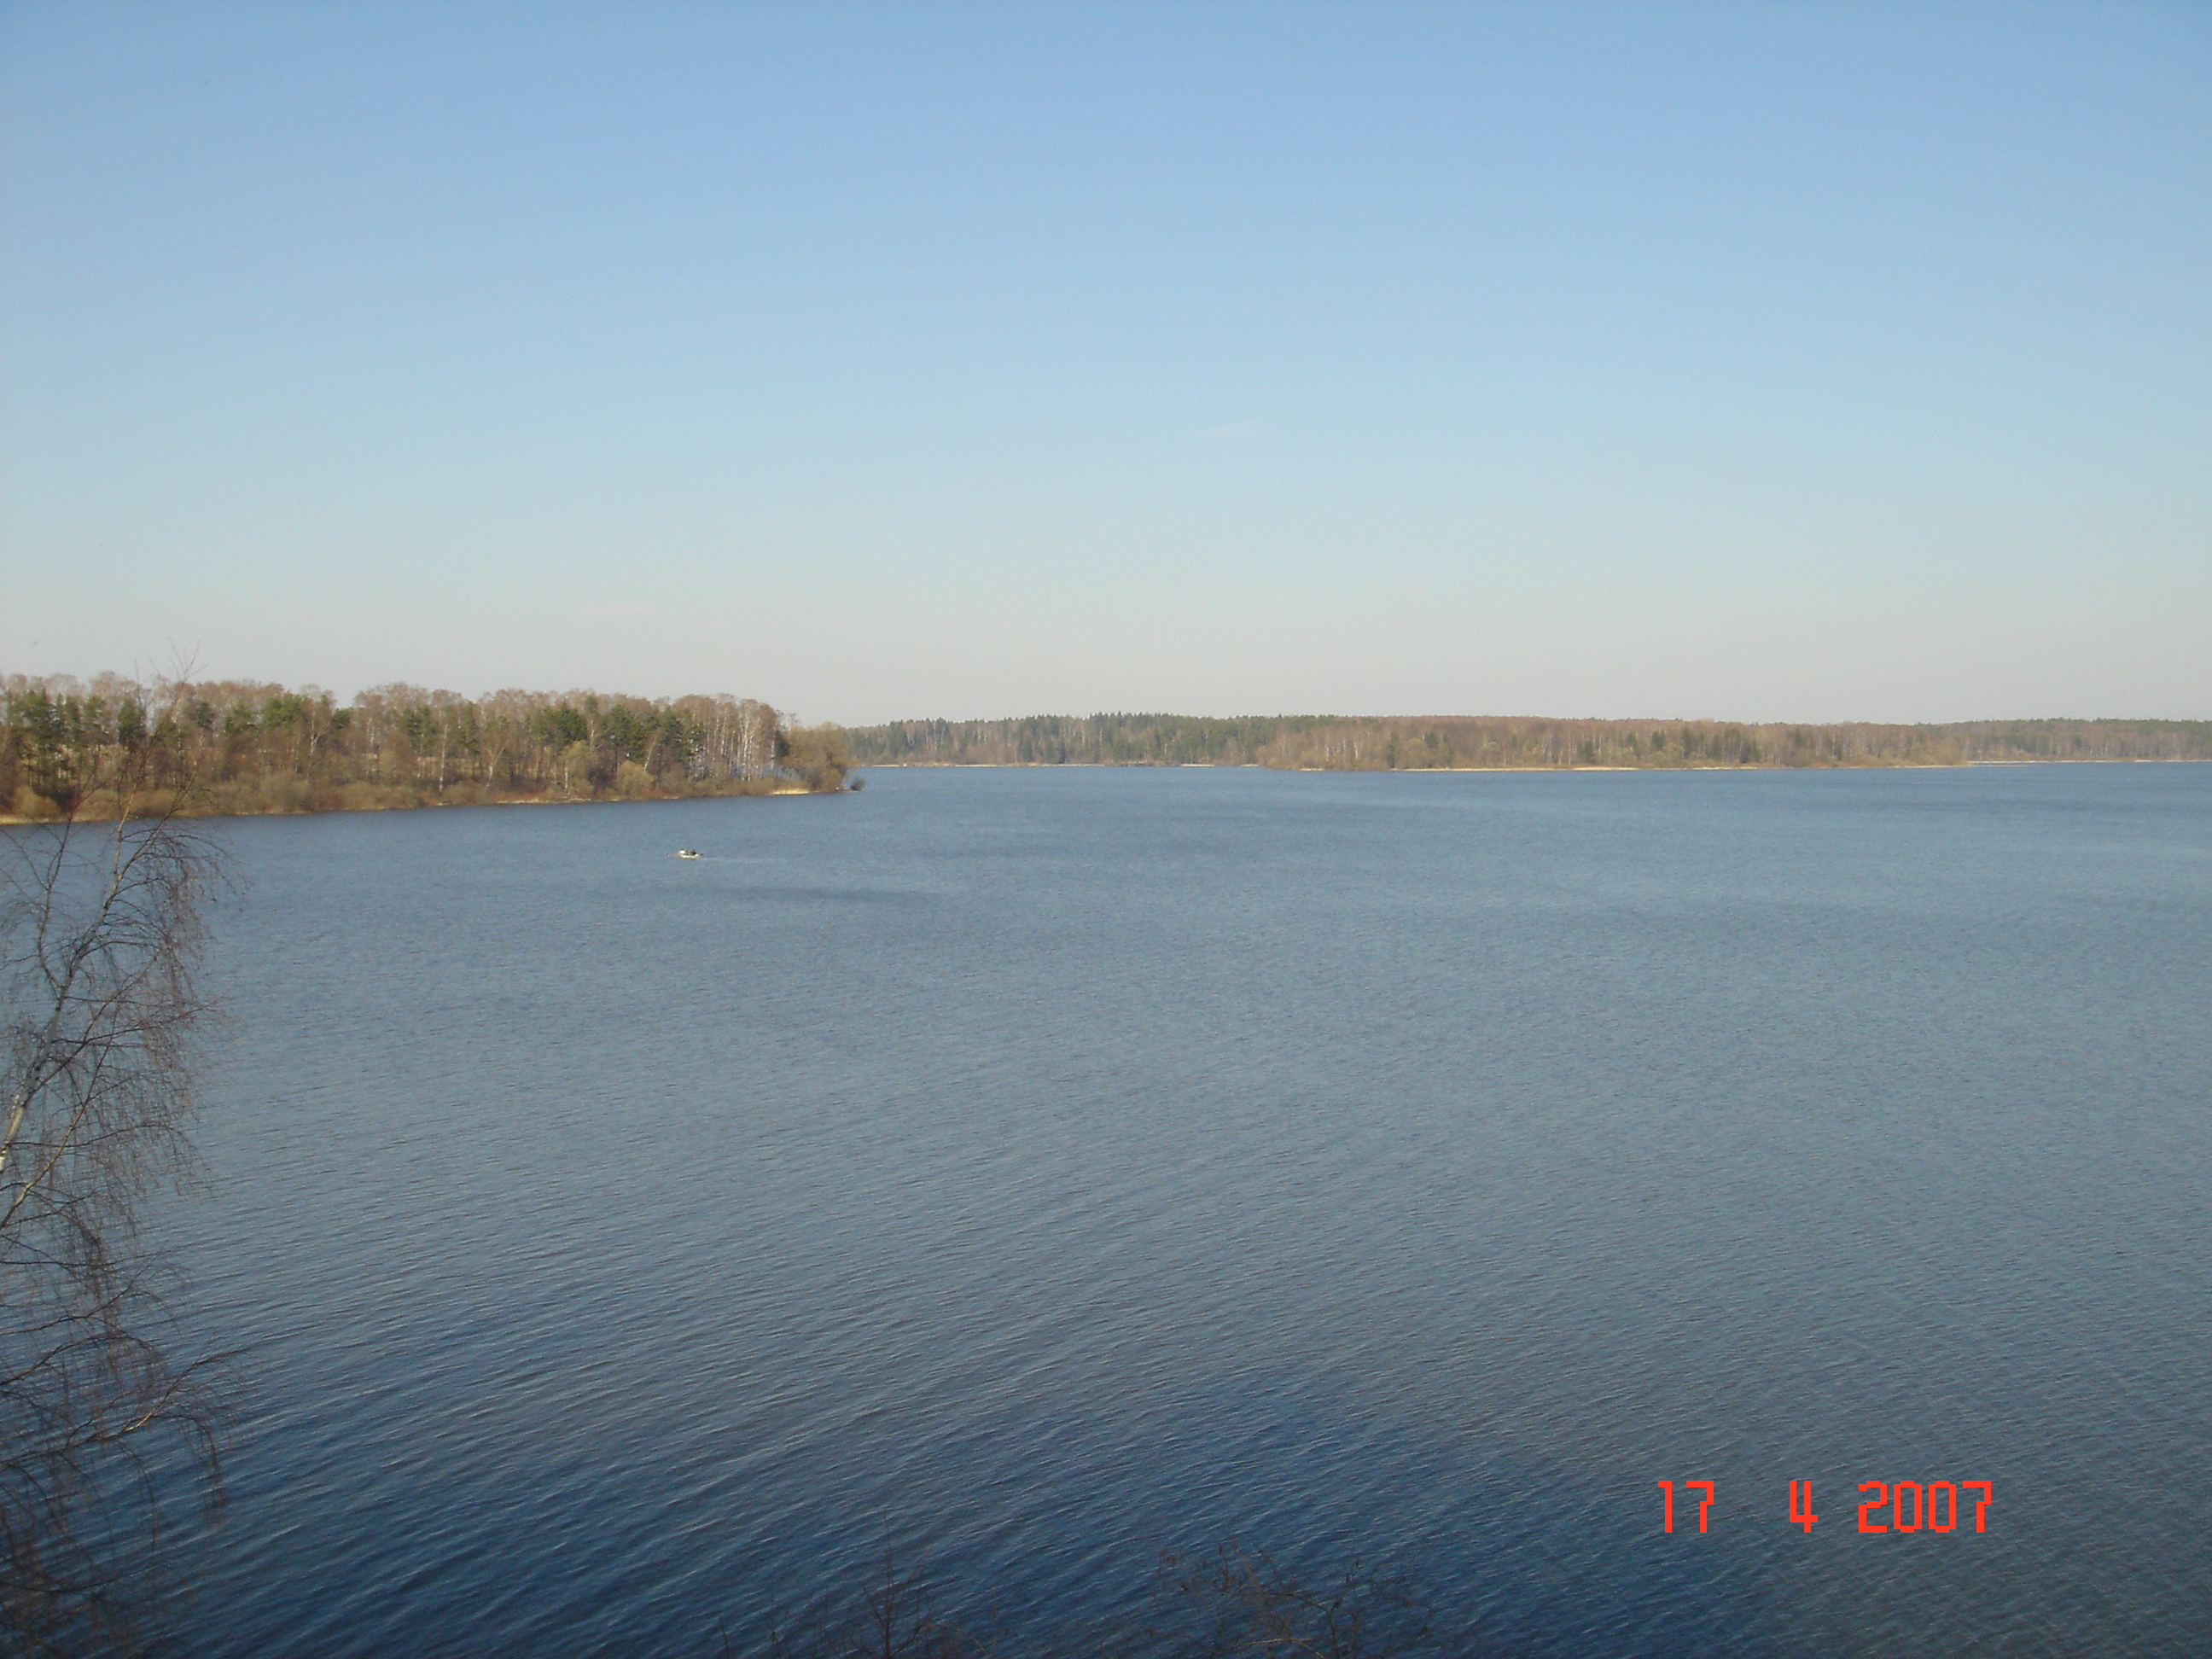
1901	1506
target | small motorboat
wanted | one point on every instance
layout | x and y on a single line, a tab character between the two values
687	852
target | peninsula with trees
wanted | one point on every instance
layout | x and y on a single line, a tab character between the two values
1337	743
98	749
74	748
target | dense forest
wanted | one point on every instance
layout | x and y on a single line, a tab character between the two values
72	746
86	748
1345	742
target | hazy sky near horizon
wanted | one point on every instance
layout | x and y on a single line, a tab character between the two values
1753	362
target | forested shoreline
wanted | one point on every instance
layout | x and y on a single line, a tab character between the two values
1351	742
84	748
96	749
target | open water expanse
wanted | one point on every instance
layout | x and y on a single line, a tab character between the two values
1034	1169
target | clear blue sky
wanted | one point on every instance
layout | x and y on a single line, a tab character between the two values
1775	361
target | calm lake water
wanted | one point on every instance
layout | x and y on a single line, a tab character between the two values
1034	1168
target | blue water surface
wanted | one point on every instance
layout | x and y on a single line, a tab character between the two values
1028	1170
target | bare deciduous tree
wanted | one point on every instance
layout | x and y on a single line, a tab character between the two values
893	1617
1233	1601
101	928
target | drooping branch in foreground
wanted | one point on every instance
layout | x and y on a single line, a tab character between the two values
100	933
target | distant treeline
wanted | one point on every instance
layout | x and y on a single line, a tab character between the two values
1345	742
89	748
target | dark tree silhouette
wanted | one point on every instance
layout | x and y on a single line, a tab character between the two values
101	929
1233	1601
